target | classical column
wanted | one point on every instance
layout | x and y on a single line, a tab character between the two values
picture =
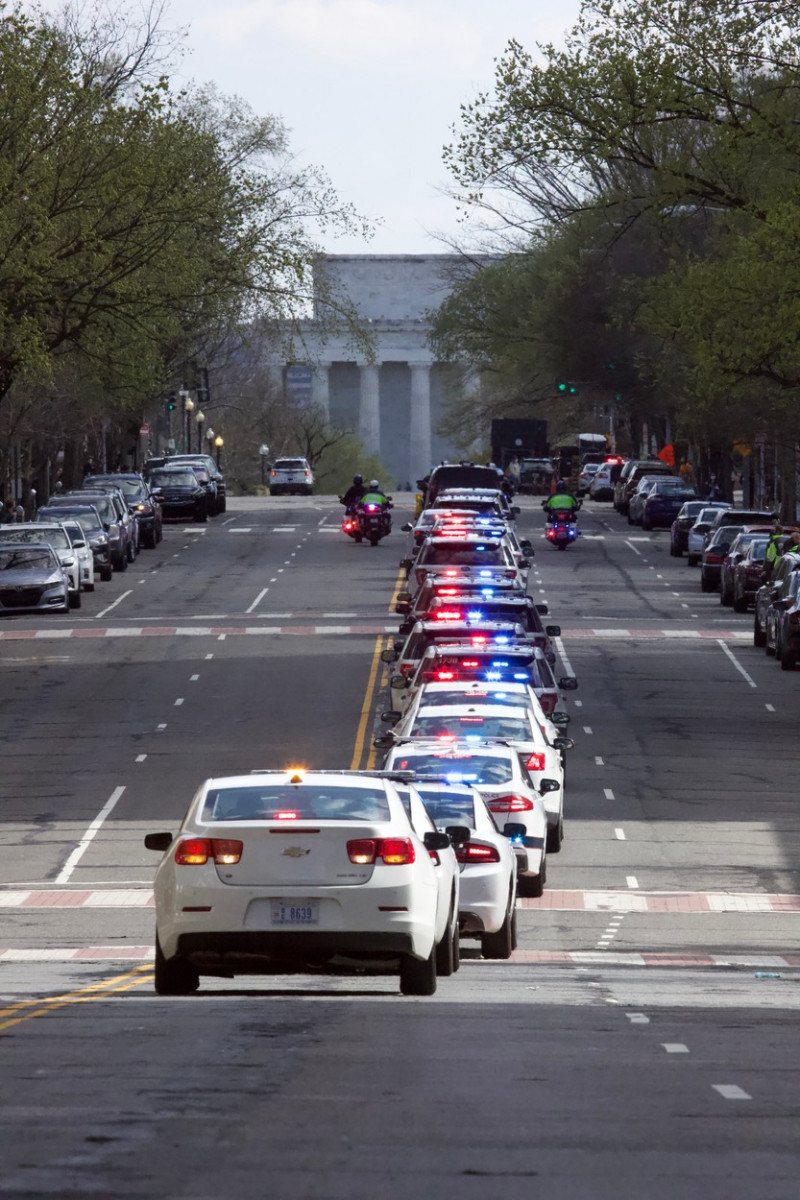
369	413
320	389
420	422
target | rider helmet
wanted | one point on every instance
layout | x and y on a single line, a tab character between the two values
373	483
560	485
358	480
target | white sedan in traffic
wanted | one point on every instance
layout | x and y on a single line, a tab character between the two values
295	871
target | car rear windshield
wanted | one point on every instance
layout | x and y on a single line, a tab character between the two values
290	464
515	728
448	810
26	559
166	479
453	555
459	768
54	537
464	477
128	487
275	801
87	520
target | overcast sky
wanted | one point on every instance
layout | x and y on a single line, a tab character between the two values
368	88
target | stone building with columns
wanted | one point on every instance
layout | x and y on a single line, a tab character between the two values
393	401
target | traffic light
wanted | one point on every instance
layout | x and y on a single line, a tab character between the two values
566	389
171	402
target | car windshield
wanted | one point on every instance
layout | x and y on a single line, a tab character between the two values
462	556
88	521
458	768
758	549
53	537
446	698
166	479
516	728
130	487
288	802
290	464
448	810
33	559
104	507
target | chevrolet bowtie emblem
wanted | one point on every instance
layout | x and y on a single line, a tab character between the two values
295	851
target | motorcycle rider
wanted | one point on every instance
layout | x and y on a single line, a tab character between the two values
561	501
354	493
375	495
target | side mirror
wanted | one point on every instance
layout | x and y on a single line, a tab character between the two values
549	785
527	547
560	718
563	743
398	645
389	655
383	741
407	527
434	840
553	631
542	609
568	683
402	607
406	626
399	683
406	564
514	829
390	716
524	563
157	841
458	835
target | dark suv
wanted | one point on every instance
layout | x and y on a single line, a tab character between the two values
459	475
140	500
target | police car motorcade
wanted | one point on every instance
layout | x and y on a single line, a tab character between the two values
296	871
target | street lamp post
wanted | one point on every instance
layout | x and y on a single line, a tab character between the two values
210	435
188	408
200	417
219	442
263	451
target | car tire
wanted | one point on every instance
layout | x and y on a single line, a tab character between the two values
674	552
533	885
705	586
131	552
373	541
725	597
122	563
150	539
739	604
630	518
88	587
174	976
759	636
159	534
787	660
200	519
75	599
646	526
555	836
445	951
358	538
418	975
501	943
768	650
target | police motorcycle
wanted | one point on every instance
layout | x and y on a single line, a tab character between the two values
367	515
561	529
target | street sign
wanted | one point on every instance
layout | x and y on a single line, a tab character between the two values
144	430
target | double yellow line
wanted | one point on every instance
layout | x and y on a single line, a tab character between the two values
26	1010
376	681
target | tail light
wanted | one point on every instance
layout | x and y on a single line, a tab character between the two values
407	668
449	614
535	762
713	558
285	814
475	852
512	803
446	591
395	852
194	852
441	676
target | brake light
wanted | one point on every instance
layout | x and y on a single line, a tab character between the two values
479	640
474	852
470	662
535	762
194	852
446	591
445	676
449	614
394	852
285	814
407	668
512	803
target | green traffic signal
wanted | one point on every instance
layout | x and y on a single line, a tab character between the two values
566	389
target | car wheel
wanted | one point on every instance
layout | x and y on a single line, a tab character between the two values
725	597
174	976
501	943
739	604
759	637
150	539
456	950
75	599
418	975
555	836
131	552
445	950
88	587
705	584
533	885
122	562
373	541
646	526
514	928
691	560
200	518
768	650
358	537
159	534
787	660
674	552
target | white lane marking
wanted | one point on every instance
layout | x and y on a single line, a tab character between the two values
287	562
160	728
83	845
658	576
633	548
284	529
677	594
619	834
257	600
632	881
638	1018
193	678
587	729
578	703
242	529
228	521
563	655
176	555
770	707
209	656
141	757
607	792
142	581
178	702
675	1048
118	600
222	637
280	570
730	1091
726	650
684	605
273	580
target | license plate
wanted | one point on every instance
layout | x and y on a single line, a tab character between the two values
295	912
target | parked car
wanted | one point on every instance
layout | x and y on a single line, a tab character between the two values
770	590
718	544
83	552
113	508
734	556
602	486
36	533
586	476
748	574
632	471
207	461
663	501
89	519
32	579
783	623
291	476
698	533
181	496
143	506
679	529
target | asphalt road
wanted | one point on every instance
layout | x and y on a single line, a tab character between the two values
641	1043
